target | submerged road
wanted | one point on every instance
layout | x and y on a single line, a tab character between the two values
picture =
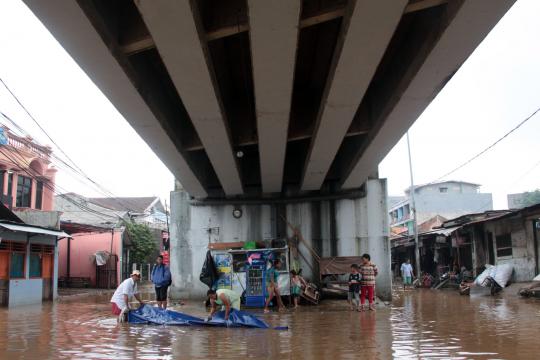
419	324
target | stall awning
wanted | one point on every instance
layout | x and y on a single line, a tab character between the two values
442	231
33	229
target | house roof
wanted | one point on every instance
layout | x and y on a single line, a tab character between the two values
76	228
80	210
17	227
476	218
134	204
431	223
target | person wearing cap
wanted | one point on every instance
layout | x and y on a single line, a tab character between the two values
126	290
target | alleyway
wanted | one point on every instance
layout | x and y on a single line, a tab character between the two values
430	324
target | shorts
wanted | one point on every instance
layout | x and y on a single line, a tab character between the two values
296	291
161	293
115	309
407	280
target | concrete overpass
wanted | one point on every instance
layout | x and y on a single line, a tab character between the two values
281	107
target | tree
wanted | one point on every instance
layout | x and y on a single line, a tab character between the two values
531	198
142	242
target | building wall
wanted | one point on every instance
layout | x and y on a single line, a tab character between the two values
28	290
452	187
523	252
451	205
448	205
83	246
341	227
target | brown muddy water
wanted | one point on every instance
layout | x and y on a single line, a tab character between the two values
419	324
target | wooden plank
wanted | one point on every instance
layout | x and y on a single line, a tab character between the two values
226	245
226	31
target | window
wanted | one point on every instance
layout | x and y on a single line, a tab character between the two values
443	189
14	254
16	266
35	264
504	245
39	195
2	172
10	184
24	191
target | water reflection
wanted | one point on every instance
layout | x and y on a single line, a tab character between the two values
424	324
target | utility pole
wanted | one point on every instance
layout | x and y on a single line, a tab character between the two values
413	210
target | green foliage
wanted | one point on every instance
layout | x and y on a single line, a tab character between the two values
531	198
142	242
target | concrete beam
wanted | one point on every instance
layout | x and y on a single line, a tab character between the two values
147	43
472	23
368	28
274	36
174	28
68	23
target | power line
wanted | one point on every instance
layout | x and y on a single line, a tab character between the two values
37	123
506	188
486	149
77	171
77	168
25	165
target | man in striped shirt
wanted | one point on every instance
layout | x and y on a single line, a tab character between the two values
367	284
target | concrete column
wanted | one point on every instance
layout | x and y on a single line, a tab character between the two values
182	257
362	225
300	216
378	240
55	271
33	194
359	226
327	233
27	259
346	230
14	188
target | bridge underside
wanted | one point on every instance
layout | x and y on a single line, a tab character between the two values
249	98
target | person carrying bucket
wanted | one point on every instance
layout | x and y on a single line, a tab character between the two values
225	298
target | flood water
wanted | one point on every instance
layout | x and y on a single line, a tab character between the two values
419	324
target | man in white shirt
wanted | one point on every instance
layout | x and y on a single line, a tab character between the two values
126	290
407	273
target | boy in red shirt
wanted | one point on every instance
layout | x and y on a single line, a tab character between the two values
367	284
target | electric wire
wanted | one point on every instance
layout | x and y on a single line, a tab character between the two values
77	168
102	190
24	166
486	149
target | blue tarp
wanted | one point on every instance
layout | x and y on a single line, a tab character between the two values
154	315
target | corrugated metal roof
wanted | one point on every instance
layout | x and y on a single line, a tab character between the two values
33	229
136	204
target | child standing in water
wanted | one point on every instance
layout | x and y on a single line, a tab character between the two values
296	287
368	271
353	296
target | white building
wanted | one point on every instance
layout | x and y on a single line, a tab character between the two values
448	199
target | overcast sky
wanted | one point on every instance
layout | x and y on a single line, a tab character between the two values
494	90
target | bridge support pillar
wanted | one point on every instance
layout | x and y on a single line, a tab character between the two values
345	227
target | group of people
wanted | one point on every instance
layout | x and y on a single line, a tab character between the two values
362	284
161	278
361	287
